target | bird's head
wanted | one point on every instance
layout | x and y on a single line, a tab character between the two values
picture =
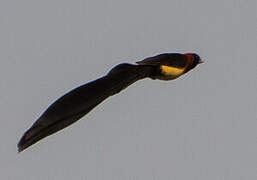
194	59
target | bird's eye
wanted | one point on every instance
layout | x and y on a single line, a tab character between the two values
197	57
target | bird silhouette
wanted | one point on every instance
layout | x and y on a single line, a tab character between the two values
78	102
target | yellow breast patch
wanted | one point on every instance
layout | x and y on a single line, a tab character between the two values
171	71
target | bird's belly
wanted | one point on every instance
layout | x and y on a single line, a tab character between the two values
166	78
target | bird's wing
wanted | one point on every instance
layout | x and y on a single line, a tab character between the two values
166	59
155	60
78	102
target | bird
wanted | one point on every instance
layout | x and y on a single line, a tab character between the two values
72	106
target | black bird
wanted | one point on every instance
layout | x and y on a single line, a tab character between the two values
78	102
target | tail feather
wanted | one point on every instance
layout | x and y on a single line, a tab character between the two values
78	102
38	132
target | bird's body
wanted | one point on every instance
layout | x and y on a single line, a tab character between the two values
78	102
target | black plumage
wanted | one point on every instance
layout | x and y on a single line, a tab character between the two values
78	102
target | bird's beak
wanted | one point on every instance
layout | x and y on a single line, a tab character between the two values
200	61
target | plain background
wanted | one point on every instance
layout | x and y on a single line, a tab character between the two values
200	126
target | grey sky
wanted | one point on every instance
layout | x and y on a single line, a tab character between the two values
200	126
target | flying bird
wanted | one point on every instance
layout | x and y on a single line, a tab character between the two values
78	102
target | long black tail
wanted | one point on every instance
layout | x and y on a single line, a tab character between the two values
78	102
